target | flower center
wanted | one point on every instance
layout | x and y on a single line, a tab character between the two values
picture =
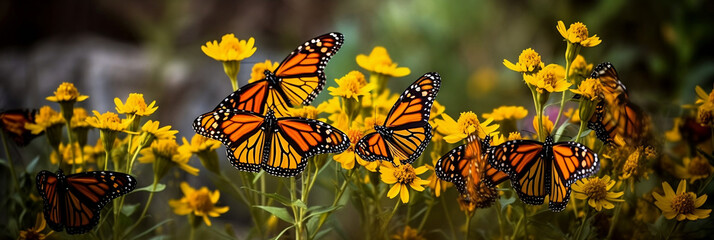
529	58
67	90
468	120
596	189
699	167
683	203
201	201
579	30
165	148
405	174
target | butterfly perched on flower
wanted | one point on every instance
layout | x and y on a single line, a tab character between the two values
280	146
615	116
13	123
298	79
406	130
466	166
74	201
537	169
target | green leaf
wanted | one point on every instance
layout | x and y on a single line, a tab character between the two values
277	197
257	176
33	165
279	212
283	232
322	233
129	209
151	229
324	210
299	203
159	187
507	201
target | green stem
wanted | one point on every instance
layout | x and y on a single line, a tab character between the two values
296	211
580	229
518	226
674	229
499	214
117	208
192	231
146	207
541	130
426	215
448	219
614	221
580	130
468	224
106	159
385	223
338	196
13	175
71	147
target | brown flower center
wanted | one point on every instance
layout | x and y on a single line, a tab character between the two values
201	201
405	174
468	119
596	189
683	203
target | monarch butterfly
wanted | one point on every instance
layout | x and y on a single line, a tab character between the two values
537	169
406	130
616	115
297	80
281	146
74	201
13	122
466	166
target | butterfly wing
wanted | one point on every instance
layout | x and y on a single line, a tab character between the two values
294	140
372	147
88	193
455	167
610	81
603	125
13	122
302	73
526	163
52	198
241	131
572	161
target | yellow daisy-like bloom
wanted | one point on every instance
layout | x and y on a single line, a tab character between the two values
230	48
201	203
258	71
401	176
379	61
45	118
164	132
468	123
66	92
580	67
705	109
69	154
167	150
506	113
135	105
549	79
528	62
408	234
682	204
35	232
547	125
108	121
589	88
514	136
635	165
79	118
351	85
200	144
597	191
694	168
577	33
348	157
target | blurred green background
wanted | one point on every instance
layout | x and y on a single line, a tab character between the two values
112	48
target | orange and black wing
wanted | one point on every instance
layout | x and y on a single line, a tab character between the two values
610	81
13	122
602	123
527	165
293	140
572	161
52	197
468	165
302	73
406	130
625	120
242	132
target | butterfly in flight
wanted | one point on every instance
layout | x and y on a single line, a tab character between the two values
616	115
537	169
74	201
13	123
297	80
280	146
466	166
406	130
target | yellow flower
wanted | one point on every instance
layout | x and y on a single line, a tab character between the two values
597	191
435	183
66	92
308	112
694	168
348	158
258	71
229	49
200	144
68	154
580	67
589	88
351	85
547	125
379	61
165	132
401	176
135	105
514	136
705	109
528	62
550	79
436	111
673	135
408	234
383	102
201	203
577	33
164	153
635	166
573	114
108	121
35	232
79	118
468	123
506	113
45	118
682	204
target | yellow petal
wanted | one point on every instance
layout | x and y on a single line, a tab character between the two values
667	189
702	213
416	186
394	191
669	214
221	209
401	72
561	29
682	187
421	170
404	194
206	220
187	189
700	201
363	61
511	66
579	195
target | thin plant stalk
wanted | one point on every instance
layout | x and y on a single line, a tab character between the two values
13	175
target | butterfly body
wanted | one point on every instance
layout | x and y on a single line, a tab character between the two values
539	169
74	202
280	146
298	79
406	130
